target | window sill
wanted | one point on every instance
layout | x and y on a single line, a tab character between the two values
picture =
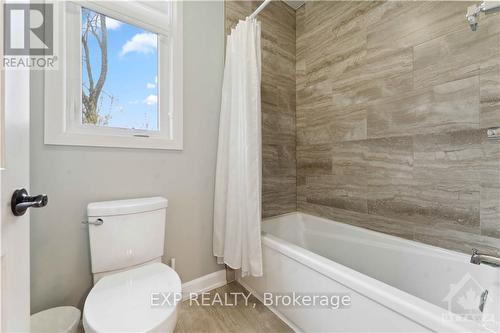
113	141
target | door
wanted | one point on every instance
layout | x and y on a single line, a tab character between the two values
15	265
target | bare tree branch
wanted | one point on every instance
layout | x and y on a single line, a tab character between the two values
95	26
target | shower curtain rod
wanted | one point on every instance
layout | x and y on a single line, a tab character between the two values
259	9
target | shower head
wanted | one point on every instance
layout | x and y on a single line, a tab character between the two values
473	12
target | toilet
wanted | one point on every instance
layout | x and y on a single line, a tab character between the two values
126	246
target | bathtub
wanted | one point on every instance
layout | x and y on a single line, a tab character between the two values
394	285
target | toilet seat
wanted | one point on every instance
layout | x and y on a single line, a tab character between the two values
122	302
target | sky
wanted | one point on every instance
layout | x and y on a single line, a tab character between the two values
131	78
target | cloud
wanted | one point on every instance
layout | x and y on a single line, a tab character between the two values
144	42
151	100
113	24
151	85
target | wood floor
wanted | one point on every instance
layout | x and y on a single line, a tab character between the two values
240	318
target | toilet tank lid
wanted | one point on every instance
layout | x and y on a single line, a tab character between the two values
129	206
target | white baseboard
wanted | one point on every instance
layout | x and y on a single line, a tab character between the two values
273	310
204	283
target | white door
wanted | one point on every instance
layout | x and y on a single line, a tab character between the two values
15	265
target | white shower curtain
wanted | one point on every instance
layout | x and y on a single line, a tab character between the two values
237	203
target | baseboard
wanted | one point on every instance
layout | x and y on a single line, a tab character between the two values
273	310
204	283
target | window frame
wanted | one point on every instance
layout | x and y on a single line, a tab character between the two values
63	125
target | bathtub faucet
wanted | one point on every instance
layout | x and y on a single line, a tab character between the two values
479	258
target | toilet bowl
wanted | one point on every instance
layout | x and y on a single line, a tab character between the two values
122	302
127	240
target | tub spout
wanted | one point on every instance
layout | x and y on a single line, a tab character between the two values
479	258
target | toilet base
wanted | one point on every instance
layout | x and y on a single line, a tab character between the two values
168	326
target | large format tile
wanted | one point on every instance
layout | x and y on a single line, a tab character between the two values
447	170
405	24
382	73
324	124
332	191
278	128
445	107
278	160
314	160
457	240
456	55
490	93
349	165
278	195
300	49
490	187
345	185
490	210
389	162
410	86
313	114
385	225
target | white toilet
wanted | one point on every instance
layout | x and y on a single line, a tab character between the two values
126	244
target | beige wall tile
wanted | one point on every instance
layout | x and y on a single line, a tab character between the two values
410	88
456	55
449	106
406	24
337	192
490	188
314	160
490	93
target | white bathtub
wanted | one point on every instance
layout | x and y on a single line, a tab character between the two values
395	285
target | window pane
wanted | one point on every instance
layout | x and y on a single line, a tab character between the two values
119	74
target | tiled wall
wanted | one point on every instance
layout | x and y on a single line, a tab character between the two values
278	102
392	102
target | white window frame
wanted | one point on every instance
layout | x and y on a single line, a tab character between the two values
63	87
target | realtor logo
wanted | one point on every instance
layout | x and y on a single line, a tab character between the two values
468	300
464	297
29	29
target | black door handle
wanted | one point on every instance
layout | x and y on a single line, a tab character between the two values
21	201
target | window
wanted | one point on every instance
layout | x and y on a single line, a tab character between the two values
122	76
113	52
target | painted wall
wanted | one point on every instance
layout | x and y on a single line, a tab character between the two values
393	99
278	101
74	176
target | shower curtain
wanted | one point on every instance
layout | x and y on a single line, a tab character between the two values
237	203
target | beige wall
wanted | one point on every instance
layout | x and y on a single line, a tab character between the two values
75	176
392	102
278	102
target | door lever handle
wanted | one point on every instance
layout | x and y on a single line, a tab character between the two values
21	201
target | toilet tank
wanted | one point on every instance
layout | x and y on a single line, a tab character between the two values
132	232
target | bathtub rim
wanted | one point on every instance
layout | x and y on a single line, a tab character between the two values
410	306
450	254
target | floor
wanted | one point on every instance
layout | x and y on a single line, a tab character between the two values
252	316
